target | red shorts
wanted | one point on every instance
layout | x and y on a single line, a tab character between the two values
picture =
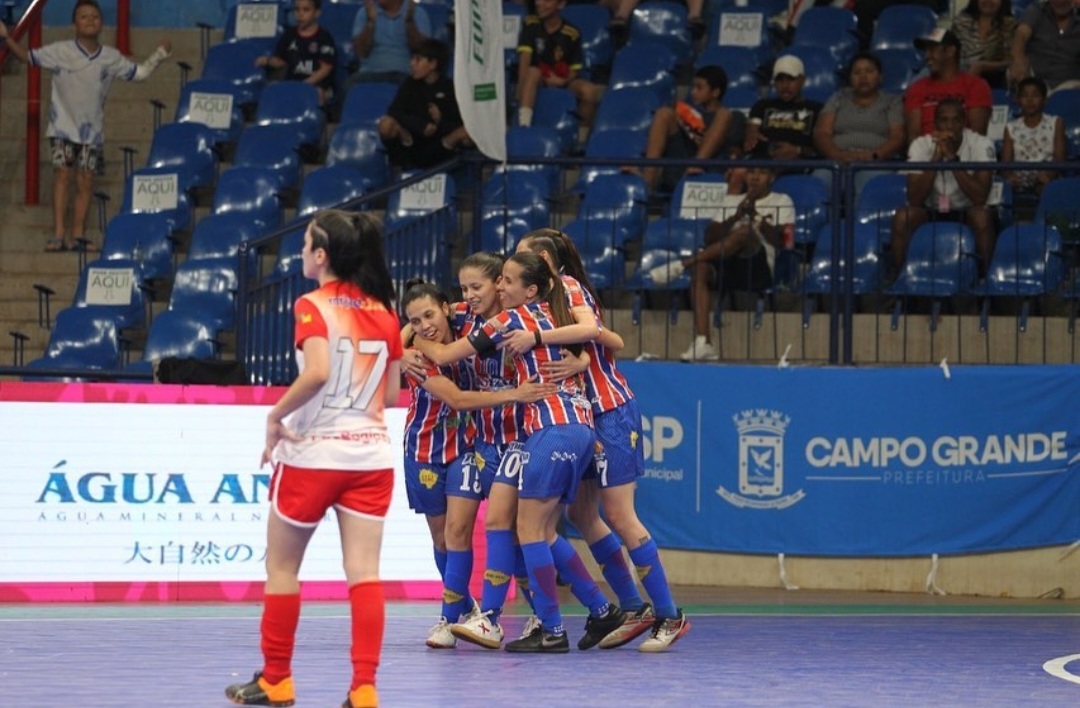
303	496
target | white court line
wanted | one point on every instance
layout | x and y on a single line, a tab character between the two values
1056	668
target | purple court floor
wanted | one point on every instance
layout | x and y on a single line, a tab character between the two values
767	654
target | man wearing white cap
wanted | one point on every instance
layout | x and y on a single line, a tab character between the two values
946	80
783	127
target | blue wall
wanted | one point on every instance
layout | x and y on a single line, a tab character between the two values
146	13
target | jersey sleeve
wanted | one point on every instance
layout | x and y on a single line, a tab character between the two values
47	57
310	323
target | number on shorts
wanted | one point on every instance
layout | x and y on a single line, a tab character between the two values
601	467
512	464
470	475
348	392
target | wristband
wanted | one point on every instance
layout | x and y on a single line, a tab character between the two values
538	341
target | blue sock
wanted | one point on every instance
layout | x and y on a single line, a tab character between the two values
542	580
608	554
573	571
521	575
647	560
500	565
440	561
456	600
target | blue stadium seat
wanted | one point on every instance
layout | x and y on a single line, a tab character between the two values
662	22
741	64
175	206
592	21
900	66
513	204
1026	263
642	283
126	315
328	187
556	109
294	104
175	334
811	197
821	67
280	9
366	103
940	263
338	19
606	268
189	149
618	199
80	339
1066	105
211	99
234	63
1059	207
744	28
899	25
879	199
697	197
866	272
251	191
220	236
626	108
205	290
609	144
274	148
831	27
645	65
682	236
145	239
359	147
399	209
290	258
742	98
533	141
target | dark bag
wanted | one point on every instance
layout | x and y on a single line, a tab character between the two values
187	370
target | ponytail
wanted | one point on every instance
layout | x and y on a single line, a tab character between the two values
354	246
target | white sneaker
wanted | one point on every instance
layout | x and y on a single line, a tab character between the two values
474	611
531	625
664	274
665	632
479	629
440	637
700	350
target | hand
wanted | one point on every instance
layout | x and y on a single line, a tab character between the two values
434	113
784	151
534	390
275	433
3	31
430	129
413	365
166	44
565	368
369	5
518	342
262	61
745	209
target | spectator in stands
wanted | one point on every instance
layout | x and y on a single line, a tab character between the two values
1033	137
385	35
781	128
953	195
306	51
702	129
986	29
82	74
423	126
740	249
946	80
861	122
549	54
621	10
1047	44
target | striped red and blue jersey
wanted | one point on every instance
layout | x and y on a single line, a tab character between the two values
568	404
492	371
605	385
434	432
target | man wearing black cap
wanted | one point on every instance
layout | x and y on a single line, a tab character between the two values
942	49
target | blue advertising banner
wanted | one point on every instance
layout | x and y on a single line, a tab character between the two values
859	462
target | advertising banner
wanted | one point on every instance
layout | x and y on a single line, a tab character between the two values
859	462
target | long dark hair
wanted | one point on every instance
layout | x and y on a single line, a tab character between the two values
417	289
566	257
536	271
353	242
1004	10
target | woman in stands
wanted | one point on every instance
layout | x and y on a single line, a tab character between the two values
441	478
330	448
612	477
554	432
986	29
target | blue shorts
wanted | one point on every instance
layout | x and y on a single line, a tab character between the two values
550	462
620	455
427	485
489	459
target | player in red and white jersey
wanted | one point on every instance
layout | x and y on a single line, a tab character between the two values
612	477
441	477
330	446
547	465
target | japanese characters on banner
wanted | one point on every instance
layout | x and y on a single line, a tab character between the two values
160	492
859	462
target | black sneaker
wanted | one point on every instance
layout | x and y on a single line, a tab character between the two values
260	692
596	628
540	642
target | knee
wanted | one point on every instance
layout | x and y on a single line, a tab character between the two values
582	516
458	534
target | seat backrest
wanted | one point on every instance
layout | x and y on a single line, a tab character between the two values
359	147
271	147
145	239
366	102
177	334
615	143
899	67
899	25
683	236
255	19
645	65
430	195
328	187
205	289
220	235
866	274
741	65
157	190
213	103
556	108
880	197
745	28
187	147
939	261
1059	207
662	22
619	197
811	198
84	338
1065	104
234	62
249	190
113	289
698	197
592	21
1026	260
629	108
516	188
293	103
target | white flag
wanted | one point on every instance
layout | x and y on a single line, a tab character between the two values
480	75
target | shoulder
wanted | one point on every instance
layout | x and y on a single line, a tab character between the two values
922	145
570	31
531	21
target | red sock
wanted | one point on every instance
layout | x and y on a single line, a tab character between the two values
281	614
368	621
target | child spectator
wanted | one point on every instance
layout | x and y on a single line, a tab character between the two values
423	125
306	51
1033	137
549	54
701	129
82	74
